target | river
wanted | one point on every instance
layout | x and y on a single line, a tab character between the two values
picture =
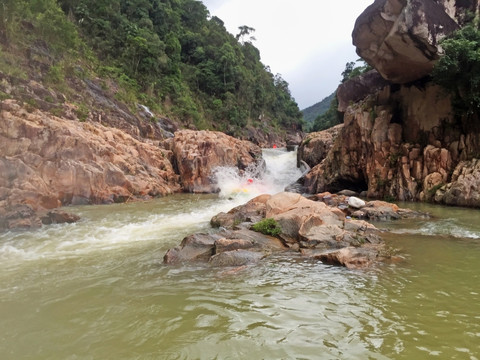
98	289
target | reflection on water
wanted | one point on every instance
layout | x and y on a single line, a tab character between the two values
98	290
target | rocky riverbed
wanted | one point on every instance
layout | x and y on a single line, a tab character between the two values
326	227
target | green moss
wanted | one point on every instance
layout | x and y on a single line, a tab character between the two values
307	141
82	112
268	227
434	189
394	158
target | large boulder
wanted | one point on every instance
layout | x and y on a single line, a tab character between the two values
315	147
464	188
400	38
207	248
251	212
198	153
359	88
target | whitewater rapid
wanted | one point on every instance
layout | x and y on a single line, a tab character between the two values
115	227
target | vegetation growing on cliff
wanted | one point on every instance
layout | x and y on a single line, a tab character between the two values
168	54
458	71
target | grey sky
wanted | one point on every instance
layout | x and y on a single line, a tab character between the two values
307	41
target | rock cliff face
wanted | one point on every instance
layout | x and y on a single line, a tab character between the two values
403	149
400	37
198	153
47	162
402	141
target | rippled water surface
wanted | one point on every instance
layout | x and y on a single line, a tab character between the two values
98	290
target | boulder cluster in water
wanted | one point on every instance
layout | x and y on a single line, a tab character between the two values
322	227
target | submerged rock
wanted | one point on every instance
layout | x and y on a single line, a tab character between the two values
59	217
235	258
350	257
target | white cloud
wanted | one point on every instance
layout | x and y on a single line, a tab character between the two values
307	41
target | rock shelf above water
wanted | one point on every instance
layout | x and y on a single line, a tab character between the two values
308	226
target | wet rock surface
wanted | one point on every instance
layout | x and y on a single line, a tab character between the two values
47	162
328	233
197	153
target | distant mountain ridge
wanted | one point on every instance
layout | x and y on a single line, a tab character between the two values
312	112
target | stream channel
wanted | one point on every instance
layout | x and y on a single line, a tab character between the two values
98	289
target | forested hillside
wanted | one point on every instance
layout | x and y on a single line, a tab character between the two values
320	108
167	54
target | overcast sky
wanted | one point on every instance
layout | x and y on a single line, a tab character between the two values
307	41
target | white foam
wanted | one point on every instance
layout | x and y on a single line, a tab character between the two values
123	227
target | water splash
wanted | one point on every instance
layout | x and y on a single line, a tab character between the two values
120	226
278	172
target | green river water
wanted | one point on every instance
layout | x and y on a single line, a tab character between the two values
98	290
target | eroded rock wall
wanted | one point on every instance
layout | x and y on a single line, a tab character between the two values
47	162
400	38
409	148
198	153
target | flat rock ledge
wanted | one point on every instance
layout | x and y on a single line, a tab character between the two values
311	227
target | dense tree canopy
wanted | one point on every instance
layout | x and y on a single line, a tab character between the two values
175	49
458	70
167	53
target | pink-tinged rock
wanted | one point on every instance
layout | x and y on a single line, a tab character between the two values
350	257
400	39
198	153
46	162
464	189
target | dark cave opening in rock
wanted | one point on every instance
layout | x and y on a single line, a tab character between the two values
357	185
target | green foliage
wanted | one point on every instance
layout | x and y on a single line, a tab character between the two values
330	118
55	74
82	112
176	53
168	54
458	71
351	70
320	108
268	227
